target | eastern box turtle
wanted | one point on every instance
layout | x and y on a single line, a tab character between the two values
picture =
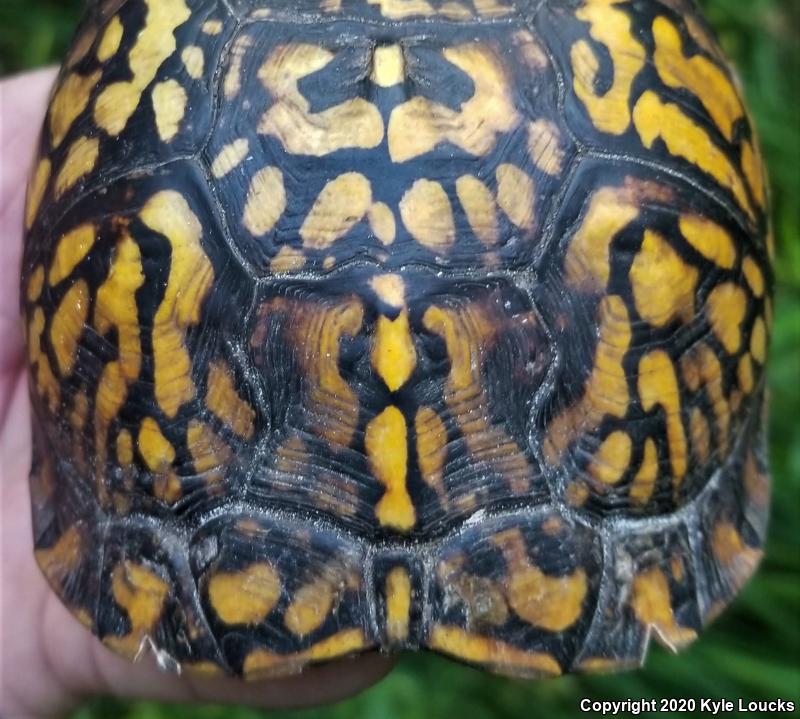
397	324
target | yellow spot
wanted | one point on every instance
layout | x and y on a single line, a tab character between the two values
71	249
426	213
491	8
68	324
399	9
393	355
754	276
731	552
208	449
698	75
491	652
341	205
606	390
753	169
60	561
745	374
602	665
35	284
190	278
684	138
352	123
398	604
644	483
652	604
154	44
612	458
726	306
663	284
544	147
531	50
479	206
387	452
36	189
230	157
658	385
431	447
194	61
124	447
266	201
233	78
70	100
154	447
700	434
169	104
390	289
548	602
516	195
80	161
587	261
709	239
419	125
311	605
702	365
758	341
610	27
382	223
167	487
212	27
224	401
110	42
80	411
246	596
288	259
141	593
388	65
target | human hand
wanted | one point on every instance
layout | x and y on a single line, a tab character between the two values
48	661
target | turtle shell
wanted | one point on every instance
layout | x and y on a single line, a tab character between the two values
397	324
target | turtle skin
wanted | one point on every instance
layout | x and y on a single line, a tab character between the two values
397	324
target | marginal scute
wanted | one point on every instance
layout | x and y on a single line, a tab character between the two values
652	604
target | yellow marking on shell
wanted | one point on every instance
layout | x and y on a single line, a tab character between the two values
602	665
658	385
233	77
701	365
544	147
745	374
398	604
71	249
212	27
530	50
612	458
68	324
80	411
245	596
352	123
605	391
587	260
431	448
266	201
194	61
393	355
652	605
488	651
709	239
480	208
155	448
426	213
733	554
202	669
758	340
80	161
400	9
726	307
340	206
684	138
311	605
390	289
698	75
111	40
36	190
754	276
753	170
69	101
35	284
209	451
224	401
700	434
124	448
388	65
154	44
190	278
644	483
61	560
230	157
756	482
553	603
288	259
167	487
169	104
611	27
386	445
262	663
516	195
419	125
141	593
663	284
382	222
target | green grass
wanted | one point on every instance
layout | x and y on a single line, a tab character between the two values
753	650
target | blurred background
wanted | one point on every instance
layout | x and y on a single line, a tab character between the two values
753	650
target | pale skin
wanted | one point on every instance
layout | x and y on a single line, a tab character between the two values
49	663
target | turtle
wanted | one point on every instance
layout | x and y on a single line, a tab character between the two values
390	325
